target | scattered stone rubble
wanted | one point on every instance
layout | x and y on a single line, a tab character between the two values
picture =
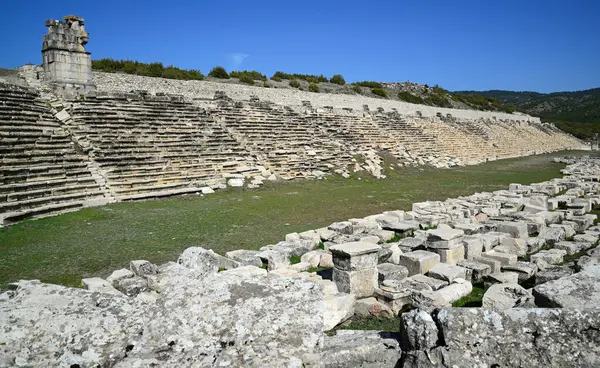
256	308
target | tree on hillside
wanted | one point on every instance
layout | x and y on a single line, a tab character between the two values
219	72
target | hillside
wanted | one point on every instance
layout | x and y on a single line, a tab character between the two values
575	112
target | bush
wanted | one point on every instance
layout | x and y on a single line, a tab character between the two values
252	74
338	79
145	69
266	84
379	92
276	78
294	83
356	88
219	72
369	84
307	77
247	79
408	97
313	88
437	100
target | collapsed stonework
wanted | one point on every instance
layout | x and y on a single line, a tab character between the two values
67	66
534	248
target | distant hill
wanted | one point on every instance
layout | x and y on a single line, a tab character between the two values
575	112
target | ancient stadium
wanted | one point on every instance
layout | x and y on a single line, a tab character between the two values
500	272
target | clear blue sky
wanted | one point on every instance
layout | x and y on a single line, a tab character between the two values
540	45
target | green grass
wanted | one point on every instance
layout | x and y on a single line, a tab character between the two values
472	300
295	259
370	323
95	241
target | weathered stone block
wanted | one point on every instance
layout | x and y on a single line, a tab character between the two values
451	256
361	282
475	270
355	255
503	258
447	272
419	261
389	271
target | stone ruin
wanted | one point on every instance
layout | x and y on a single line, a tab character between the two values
67	66
534	248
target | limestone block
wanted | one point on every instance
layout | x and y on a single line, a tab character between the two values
515	229
325	234
389	271
473	246
292	237
384	235
371	307
245	257
470	228
118	275
206	190
355	255
361	283
370	239
132	286
570	247
419	261
142	268
495	265
525	270
396	300
447	272
552	256
100	285
513	246
420	329
551	273
586	261
552	235
431	283
301	266
458	289
412	243
444	237
395	252
344	227
506	296
501	278
274	259
431	300
326	260
503	258
245	271
313	258
451	256
475	270
402	227
235	182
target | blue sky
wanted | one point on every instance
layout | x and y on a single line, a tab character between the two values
539	45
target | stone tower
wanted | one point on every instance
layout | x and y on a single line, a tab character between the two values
67	66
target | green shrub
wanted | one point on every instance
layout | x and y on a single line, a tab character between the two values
266	84
145	69
369	84
276	78
408	97
252	74
294	83
247	79
379	92
313	88
356	88
437	100
338	79
306	77
219	72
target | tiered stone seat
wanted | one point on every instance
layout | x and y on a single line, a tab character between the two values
290	144
146	145
41	169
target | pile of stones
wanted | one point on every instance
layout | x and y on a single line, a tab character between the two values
532	248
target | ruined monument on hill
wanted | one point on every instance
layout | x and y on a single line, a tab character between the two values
67	66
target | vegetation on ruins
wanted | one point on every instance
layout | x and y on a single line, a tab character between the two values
369	84
437	99
116	234
306	77
356	88
276	78
482	102
409	97
219	72
338	79
145	69
266	84
313	88
379	92
248	73
294	83
246	79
